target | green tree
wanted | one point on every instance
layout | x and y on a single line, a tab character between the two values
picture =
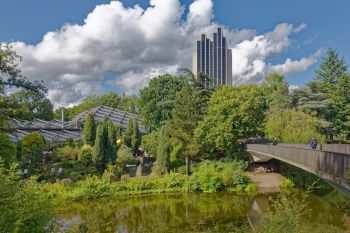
7	150
150	143
234	113
331	83
32	144
11	77
89	132
19	152
86	154
124	156
162	165
23	207
185	119
136	137
293	126
276	91
112	139
128	133
156	100
99	150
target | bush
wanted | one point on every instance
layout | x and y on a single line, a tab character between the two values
32	142
125	156
233	174
68	153
207	177
85	154
7	150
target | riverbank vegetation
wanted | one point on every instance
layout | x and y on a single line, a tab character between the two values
194	132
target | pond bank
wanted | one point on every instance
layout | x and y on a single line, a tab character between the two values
266	182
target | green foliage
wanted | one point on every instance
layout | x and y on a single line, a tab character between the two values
185	118
86	154
163	152
99	150
7	150
293	126
156	100
89	132
150	143
33	144
68	153
112	140
136	137
275	88
291	214
128	133
125	156
233	113
23	207
210	176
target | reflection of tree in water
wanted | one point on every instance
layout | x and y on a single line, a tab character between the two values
220	212
164	213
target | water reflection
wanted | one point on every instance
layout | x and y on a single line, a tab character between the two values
222	212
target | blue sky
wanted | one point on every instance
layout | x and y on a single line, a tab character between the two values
327	26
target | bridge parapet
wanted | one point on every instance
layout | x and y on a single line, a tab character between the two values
331	166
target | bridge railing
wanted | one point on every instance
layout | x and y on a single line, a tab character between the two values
337	148
315	161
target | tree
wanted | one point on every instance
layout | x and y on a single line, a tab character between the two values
33	144
276	91
185	119
86	154
332	82
150	143
89	132
128	133
112	139
7	150
163	152
293	126
124	156
11	77
234	113
136	137
156	100
99	150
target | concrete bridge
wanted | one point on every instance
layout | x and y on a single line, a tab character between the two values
332	163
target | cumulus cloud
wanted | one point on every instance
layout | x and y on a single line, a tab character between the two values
138	44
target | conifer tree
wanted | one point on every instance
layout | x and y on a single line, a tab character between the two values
128	133
163	152
99	150
89	132
112	137
136	137
186	117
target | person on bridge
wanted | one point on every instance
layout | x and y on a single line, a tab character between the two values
313	143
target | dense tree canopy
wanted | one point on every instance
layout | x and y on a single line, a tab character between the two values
233	113
157	99
7	150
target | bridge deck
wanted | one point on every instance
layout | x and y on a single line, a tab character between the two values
331	166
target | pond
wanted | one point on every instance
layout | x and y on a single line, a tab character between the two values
204	212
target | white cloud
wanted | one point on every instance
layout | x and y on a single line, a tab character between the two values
141	43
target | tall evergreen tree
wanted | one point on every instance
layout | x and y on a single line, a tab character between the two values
136	137
186	117
330	96
99	150
128	133
163	152
89	132
112	138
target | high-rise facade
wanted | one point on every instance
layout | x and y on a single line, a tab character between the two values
213	58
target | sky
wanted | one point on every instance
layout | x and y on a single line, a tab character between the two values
81	47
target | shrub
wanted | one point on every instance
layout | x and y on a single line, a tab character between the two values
85	154
68	153
30	142
7	150
124	156
233	174
208	178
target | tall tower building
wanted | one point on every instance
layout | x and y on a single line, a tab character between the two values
212	57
